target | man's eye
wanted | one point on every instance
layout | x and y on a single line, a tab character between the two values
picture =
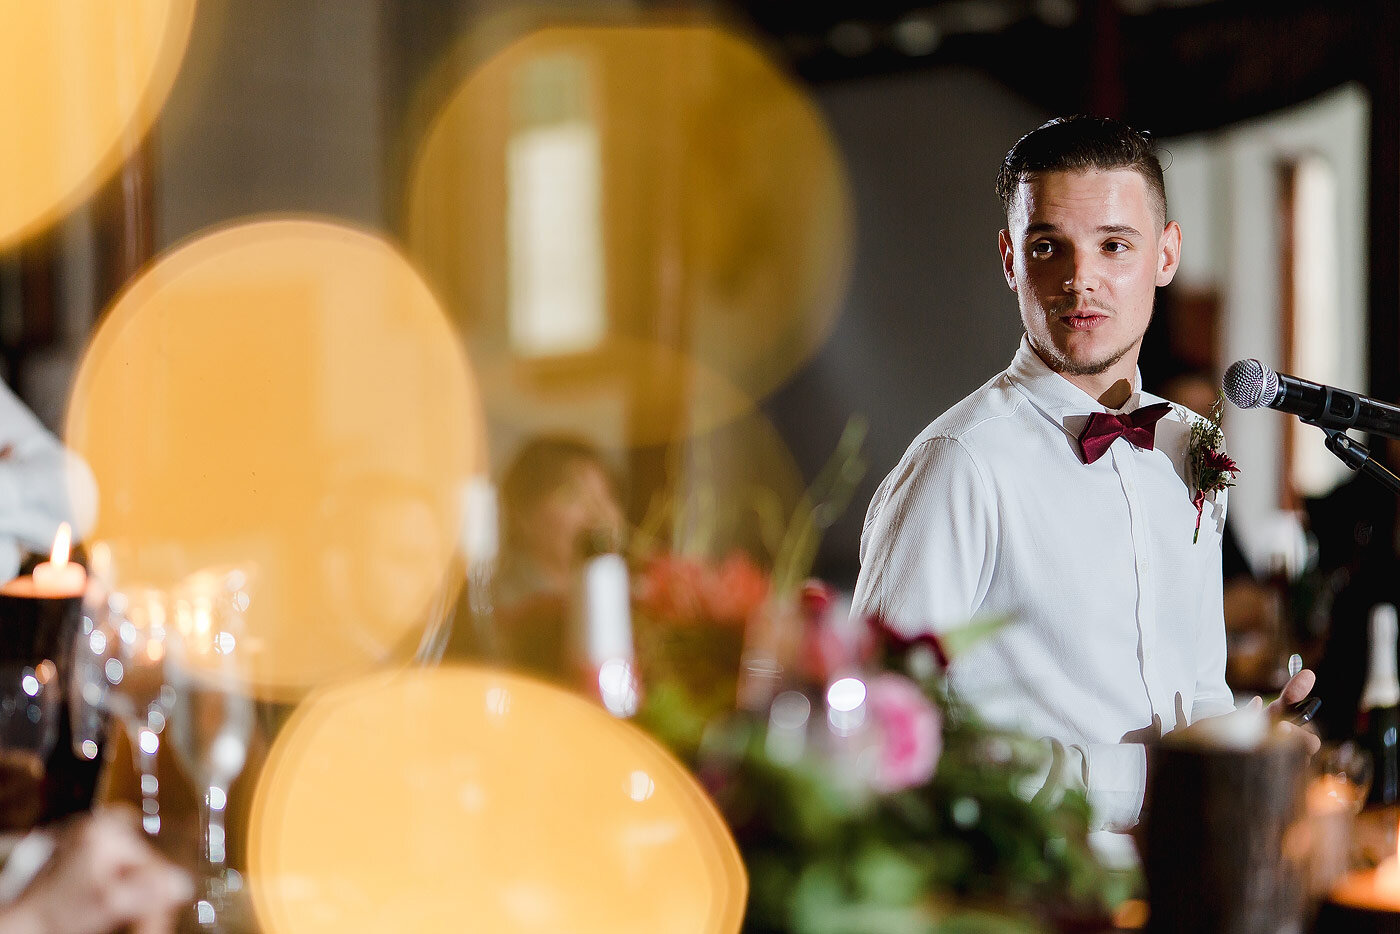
1115	246
1042	248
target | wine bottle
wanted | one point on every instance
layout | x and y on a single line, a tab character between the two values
1380	708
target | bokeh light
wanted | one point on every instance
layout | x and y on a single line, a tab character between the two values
83	83
653	215
285	395
422	801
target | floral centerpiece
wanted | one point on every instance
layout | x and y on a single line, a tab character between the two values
864	798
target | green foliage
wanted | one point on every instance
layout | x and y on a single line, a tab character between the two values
975	850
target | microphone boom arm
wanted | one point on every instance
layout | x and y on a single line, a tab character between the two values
1340	410
1358	457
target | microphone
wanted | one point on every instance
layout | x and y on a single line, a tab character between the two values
1250	384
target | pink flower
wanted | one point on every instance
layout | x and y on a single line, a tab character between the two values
822	653
815	600
911	733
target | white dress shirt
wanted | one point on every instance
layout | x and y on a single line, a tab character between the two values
41	485
1118	633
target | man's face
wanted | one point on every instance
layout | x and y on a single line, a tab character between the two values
1084	252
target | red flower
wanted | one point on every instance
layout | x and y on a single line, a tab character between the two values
682	592
815	600
671	590
1220	461
884	633
824	653
736	591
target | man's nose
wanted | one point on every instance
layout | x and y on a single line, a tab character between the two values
1080	276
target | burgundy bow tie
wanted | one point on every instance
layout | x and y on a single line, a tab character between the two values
1138	426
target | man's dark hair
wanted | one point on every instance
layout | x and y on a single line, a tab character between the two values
1080	143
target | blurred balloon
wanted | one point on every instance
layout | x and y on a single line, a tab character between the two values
285	394
458	799
84	82
653	214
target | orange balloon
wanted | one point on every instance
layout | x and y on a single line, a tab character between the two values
645	219
83	82
453	799
285	395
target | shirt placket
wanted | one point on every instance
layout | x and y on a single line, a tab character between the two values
1124	464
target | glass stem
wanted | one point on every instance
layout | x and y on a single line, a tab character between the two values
145	744
216	852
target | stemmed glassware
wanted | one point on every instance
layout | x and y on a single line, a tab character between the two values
87	681
30	698
135	639
212	720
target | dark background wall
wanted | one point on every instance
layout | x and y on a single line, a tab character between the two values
928	317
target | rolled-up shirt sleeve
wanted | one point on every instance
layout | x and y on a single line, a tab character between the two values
1113	776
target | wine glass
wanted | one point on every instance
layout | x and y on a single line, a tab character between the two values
30	698
1342	773
136	640
212	720
87	683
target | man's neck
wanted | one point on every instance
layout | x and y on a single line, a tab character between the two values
1112	393
1112	388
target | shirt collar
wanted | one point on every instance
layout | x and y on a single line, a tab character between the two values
1057	398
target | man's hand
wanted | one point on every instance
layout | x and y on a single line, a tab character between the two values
102	877
1297	688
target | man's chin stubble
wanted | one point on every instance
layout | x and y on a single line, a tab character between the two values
1065	367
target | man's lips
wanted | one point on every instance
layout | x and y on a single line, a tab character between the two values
1083	320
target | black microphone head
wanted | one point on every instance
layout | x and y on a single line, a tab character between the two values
1250	384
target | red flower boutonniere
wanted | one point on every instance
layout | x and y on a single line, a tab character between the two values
1211	469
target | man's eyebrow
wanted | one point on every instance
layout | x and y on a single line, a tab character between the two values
1125	230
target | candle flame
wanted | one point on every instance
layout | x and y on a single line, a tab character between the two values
62	542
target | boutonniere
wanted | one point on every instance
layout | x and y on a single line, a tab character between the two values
1211	469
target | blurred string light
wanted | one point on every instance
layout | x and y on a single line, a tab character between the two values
285	393
621	217
83	83
545	814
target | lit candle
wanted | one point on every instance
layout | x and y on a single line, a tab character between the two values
59	577
1365	901
1375	889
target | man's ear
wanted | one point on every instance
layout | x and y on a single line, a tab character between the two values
1168	253
1008	258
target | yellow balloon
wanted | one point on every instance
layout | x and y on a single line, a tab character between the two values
285	395
633	210
455	799
83	82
